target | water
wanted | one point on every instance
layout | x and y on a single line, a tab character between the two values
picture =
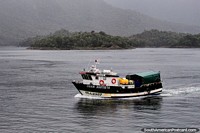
36	93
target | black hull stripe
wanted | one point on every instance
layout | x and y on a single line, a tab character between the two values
129	96
115	89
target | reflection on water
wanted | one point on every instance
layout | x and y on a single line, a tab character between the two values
98	106
149	103
118	115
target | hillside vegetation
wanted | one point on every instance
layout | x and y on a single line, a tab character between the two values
78	40
64	39
155	38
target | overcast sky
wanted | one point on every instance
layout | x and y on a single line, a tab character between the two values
181	11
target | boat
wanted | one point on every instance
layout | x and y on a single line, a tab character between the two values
108	84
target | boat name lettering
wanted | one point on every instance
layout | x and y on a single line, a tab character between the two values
103	87
98	87
93	93
90	86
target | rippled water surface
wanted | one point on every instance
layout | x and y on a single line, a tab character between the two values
36	93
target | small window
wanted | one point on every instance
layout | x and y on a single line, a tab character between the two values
89	77
96	77
86	77
83	76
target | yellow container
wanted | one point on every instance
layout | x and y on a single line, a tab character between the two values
123	81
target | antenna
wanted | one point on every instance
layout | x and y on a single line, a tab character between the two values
88	65
96	62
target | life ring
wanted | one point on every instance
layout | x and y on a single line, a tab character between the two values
113	81
101	82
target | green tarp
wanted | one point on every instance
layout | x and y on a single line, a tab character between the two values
149	77
145	77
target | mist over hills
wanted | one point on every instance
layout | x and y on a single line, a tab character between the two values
21	19
179	11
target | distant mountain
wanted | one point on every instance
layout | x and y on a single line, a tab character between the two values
179	11
20	19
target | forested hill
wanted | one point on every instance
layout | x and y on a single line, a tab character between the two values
21	19
78	40
155	38
64	39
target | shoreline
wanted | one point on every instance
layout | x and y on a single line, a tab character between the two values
77	48
100	48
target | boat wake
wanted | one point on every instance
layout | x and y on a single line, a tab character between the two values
88	97
182	90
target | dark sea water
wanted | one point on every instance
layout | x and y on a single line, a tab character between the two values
36	93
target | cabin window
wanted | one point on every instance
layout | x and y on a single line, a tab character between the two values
89	77
86	77
96	77
83	76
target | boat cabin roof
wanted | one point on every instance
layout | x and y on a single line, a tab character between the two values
96	72
104	74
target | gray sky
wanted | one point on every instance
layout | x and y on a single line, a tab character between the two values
180	11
